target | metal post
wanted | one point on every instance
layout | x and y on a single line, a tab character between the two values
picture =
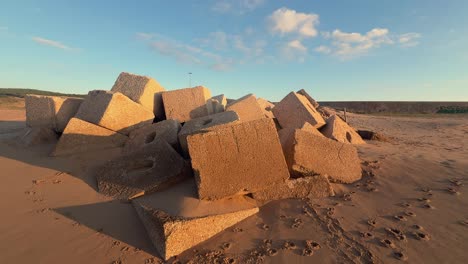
345	119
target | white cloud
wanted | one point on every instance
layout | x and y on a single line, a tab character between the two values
286	21
323	49
236	6
296	44
409	39
245	43
52	43
294	50
144	36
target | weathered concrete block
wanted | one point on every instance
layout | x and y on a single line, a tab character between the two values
33	136
309	155
186	104
308	97
285	134
167	130
216	104
247	108
176	221
266	107
295	110
143	90
152	168
308	187
239	158
338	130
198	124
114	111
50	111
80	136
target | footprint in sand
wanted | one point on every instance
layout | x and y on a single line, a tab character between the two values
264	226
289	245
39	181
452	190
428	206
456	182
418	227
400	218
125	249
226	245
367	235
397	233
372	222
271	252
407	205
409	213
424	199
312	245
421	236
387	243
400	255
115	243
297	223
307	252
237	230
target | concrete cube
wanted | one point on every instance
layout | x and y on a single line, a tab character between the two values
80	136
247	108
186	104
235	159
311	100
286	133
295	110
143	90
308	155
114	111
52	112
167	130
198	124
216	104
176	220
267	107
150	169
308	187
339	130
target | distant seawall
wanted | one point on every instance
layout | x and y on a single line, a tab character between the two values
399	107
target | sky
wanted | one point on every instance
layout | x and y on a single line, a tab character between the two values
338	50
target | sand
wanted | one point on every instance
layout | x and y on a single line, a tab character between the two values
52	213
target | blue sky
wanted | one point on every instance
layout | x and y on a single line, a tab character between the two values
336	50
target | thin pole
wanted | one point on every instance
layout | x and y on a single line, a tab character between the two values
345	119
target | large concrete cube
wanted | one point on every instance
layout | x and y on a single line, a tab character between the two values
308	155
114	111
176	220
167	130
143	90
52	112
267	107
216	104
198	124
285	134
247	108
295	110
308	97
152	168
239	158
186	104
80	136
338	130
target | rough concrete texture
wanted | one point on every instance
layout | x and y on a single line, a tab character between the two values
267	107
239	158
312	101
308	187
80	136
216	104
176	221
167	130
247	108
198	124
186	104
143	90
33	136
50	111
152	168
286	133
295	110
326	112
114	111
338	130
309	155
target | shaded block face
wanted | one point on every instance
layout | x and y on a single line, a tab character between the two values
240	158
247	108
309	98
266	107
166	130
153	168
339	130
295	110
33	136
143	90
186	104
196	125
176	221
80	136
308	187
309	155
286	134
216	104
114	111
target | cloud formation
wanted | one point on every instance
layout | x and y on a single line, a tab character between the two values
409	39
236	6
52	43
288	21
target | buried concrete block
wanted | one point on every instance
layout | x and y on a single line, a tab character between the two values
152	168
338	130
295	110
247	108
186	104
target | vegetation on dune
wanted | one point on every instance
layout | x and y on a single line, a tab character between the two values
15	92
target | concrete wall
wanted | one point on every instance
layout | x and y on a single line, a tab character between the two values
398	107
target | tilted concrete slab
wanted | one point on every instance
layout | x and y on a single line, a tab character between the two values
186	104
294	110
314	103
247	108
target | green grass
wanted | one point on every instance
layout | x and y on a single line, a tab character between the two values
15	92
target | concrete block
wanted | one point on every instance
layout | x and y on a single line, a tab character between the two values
267	107
295	110
80	136
33	136
153	168
308	187
339	130
236	159
285	134
52	112
143	90
309	155
247	108
114	111
186	104
167	130
202	123
176	221
216	104
312	101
